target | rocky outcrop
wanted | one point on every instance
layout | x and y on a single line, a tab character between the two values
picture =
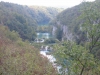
67	35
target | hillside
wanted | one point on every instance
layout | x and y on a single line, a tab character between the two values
80	24
21	58
24	19
17	18
44	15
17	29
75	46
69	21
78	30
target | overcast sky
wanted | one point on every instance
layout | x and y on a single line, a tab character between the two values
51	3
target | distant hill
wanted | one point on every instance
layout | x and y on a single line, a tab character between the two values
24	19
44	15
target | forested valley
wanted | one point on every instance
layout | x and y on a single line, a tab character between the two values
73	34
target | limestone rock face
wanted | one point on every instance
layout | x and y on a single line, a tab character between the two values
67	35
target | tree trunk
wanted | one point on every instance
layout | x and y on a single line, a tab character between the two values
82	70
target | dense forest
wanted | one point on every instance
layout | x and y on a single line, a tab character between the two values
17	18
78	29
18	25
24	19
70	21
75	42
44	15
21	58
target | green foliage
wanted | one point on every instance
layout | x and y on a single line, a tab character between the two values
14	12
17	18
14	36
51	41
44	15
82	58
21	58
91	26
73	19
43	28
59	34
77	59
20	43
24	19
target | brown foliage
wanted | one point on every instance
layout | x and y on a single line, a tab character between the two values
22	60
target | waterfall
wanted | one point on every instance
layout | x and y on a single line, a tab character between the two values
46	48
43	51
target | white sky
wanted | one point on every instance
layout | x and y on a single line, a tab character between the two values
51	3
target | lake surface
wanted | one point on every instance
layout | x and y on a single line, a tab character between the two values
43	35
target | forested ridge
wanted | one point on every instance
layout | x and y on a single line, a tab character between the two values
18	56
44	15
17	18
78	30
25	19
75	42
73	18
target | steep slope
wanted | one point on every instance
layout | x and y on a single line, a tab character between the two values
17	18
80	24
66	22
70	20
24	19
21	58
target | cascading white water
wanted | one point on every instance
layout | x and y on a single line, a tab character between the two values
46	48
51	58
